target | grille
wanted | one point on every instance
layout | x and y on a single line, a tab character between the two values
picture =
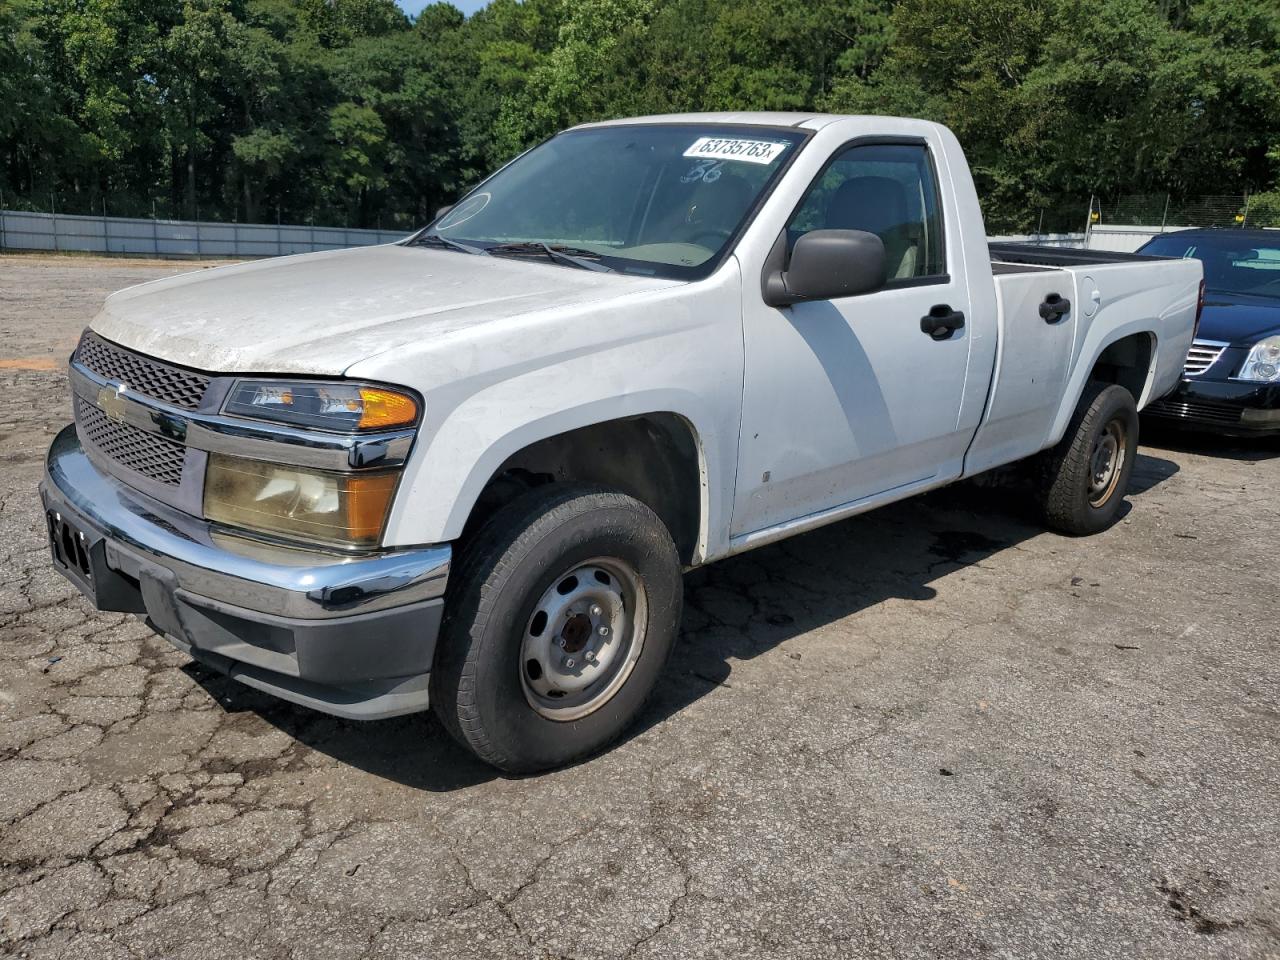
1195	410
154	379
1202	355
154	457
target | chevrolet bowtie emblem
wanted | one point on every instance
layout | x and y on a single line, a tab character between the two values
112	403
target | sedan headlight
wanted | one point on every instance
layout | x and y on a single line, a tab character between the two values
342	407
334	509
1263	362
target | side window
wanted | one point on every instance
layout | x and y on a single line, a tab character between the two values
885	189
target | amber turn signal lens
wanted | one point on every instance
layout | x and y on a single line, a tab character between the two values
386	408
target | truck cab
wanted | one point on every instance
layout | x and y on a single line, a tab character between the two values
466	471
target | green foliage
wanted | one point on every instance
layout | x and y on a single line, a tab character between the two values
1055	100
1264	209
580	78
345	111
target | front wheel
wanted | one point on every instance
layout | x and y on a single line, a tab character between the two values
567	608
1084	478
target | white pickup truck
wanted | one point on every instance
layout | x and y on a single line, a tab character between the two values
468	469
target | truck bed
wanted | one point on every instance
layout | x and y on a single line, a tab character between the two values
1042	359
1000	268
1031	254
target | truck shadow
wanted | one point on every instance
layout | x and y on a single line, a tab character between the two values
414	751
735	610
748	605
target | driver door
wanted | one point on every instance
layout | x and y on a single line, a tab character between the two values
849	401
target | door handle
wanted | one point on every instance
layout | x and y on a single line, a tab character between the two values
941	321
1054	308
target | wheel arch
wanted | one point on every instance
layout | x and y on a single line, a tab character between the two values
657	456
1128	361
1128	357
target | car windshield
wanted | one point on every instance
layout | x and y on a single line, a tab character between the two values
658	200
1232	264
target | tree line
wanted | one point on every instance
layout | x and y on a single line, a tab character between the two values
349	112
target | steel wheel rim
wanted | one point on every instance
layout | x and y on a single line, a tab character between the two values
583	638
1106	461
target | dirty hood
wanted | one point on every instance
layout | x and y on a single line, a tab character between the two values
320	313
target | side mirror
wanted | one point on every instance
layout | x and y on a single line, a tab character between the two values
826	264
443	210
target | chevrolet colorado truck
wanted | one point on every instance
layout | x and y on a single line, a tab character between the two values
467	470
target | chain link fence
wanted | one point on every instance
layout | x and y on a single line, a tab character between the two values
1169	212
1125	223
1164	210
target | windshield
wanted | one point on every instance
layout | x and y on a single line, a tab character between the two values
1232	264
658	200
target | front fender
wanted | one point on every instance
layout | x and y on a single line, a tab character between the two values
492	392
436	500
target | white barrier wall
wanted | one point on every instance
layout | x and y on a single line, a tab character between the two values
1117	239
174	238
1072	240
1125	239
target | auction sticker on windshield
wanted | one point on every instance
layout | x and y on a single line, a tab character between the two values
725	148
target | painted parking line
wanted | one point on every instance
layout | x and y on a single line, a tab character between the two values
30	363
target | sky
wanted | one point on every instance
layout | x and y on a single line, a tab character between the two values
412	7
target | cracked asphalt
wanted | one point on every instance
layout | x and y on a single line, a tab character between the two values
934	731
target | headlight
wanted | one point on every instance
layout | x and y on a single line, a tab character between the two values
335	509
1263	362
344	407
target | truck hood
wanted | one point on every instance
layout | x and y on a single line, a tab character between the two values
320	313
1237	318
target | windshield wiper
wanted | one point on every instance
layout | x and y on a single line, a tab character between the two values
435	240
569	256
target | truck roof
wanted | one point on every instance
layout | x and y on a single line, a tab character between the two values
762	118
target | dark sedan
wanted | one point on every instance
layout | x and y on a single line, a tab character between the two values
1231	382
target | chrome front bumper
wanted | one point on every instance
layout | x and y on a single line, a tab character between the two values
352	636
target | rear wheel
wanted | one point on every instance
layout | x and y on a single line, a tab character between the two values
1083	479
567	608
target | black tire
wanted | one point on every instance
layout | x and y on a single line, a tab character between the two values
477	689
1069	498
